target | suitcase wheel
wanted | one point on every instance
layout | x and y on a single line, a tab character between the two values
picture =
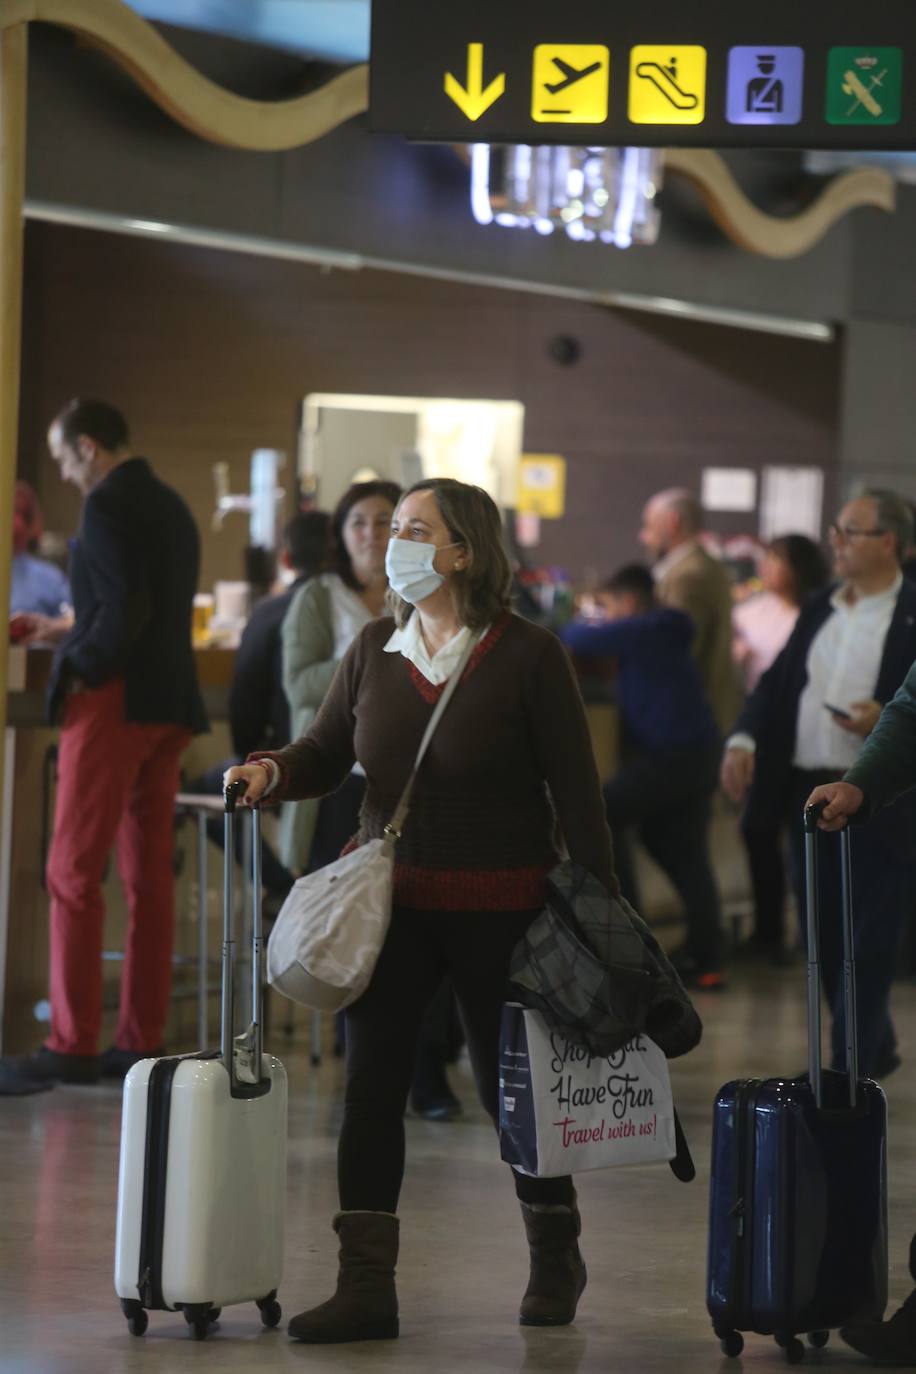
134	1311
794	1350
270	1310
818	1339
197	1315
732	1344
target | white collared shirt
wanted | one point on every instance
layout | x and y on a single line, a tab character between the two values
443	663
843	666
664	565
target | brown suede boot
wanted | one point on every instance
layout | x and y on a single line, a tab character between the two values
557	1268
365	1306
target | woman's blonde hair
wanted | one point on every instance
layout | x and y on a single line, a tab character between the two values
483	590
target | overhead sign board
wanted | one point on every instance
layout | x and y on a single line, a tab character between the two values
778	73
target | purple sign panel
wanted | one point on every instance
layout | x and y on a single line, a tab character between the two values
765	85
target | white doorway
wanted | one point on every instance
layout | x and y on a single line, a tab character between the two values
352	438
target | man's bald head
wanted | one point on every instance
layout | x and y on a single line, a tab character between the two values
670	518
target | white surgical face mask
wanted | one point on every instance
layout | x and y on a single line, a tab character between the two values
409	565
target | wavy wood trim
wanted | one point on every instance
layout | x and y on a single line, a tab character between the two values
772	236
192	100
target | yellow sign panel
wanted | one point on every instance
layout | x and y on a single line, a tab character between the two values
541	485
667	84
474	98
570	83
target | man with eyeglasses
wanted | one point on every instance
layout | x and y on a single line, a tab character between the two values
805	725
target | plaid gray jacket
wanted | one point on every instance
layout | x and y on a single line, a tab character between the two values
595	971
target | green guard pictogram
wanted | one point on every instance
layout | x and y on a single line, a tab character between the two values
865	86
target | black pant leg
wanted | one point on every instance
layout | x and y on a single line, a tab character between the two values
625	865
667	796
766	864
275	876
382	1031
882	886
678	840
478	949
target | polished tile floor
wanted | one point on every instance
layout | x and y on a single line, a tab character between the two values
463	1266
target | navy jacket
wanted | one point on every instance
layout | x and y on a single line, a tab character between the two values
258	708
659	691
770	714
133	573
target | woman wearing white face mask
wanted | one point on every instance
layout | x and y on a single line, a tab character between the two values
470	865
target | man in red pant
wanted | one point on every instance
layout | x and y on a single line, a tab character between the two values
124	687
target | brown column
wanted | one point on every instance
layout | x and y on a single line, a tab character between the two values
13	62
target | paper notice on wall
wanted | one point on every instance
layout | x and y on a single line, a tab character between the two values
791	502
527	530
733	489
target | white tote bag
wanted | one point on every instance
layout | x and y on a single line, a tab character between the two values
563	1111
331	928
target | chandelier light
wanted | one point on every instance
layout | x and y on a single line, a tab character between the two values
593	194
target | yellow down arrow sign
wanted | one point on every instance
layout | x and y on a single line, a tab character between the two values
472	99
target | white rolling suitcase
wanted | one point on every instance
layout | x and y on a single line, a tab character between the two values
202	1180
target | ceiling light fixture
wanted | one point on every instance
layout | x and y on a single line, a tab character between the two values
606	194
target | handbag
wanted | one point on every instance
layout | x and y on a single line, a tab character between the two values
327	938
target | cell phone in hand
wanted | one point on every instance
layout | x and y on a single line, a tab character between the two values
837	711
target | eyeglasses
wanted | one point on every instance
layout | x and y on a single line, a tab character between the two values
850	532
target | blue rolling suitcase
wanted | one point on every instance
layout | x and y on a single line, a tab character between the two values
798	1190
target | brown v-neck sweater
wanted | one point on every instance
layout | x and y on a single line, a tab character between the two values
480	834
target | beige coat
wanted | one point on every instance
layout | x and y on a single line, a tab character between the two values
699	585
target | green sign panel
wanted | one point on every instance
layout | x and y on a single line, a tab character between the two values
783	74
865	86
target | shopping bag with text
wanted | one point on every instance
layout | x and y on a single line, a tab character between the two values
564	1111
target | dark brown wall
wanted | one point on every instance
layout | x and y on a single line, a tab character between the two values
210	353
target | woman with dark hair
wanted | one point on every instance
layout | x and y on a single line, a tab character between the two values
792	568
470	865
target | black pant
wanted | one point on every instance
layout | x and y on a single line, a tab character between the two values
882	896
764	846
383	1027
666	798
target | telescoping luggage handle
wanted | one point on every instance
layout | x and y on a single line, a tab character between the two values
241	1054
815	1066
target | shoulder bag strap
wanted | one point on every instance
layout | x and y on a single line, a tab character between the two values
395	826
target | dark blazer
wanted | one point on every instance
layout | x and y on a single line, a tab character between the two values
770	714
258	708
133	571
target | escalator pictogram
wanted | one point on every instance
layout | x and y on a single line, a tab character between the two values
665	80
